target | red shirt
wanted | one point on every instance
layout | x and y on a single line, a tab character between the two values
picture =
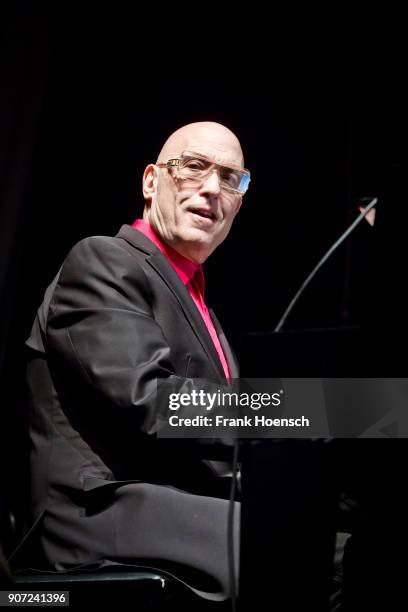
193	278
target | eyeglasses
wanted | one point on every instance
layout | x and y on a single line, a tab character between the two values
196	167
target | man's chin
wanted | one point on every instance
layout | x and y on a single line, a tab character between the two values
196	244
205	235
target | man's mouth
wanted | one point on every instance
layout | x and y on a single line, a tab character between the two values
202	212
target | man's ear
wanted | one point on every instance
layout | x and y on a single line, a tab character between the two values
150	179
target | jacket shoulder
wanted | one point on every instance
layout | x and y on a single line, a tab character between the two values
105	255
101	246
92	265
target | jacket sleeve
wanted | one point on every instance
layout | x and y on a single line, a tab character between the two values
101	331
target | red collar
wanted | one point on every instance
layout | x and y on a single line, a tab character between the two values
185	268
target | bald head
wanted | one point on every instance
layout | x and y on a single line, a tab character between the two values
207	137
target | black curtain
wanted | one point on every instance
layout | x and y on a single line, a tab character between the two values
24	61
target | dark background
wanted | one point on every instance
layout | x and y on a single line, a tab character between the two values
85	106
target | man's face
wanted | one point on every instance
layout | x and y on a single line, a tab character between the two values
194	218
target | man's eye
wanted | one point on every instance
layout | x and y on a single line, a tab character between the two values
231	179
195	164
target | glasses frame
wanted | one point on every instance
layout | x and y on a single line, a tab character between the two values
174	163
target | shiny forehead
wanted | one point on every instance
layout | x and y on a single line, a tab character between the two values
212	140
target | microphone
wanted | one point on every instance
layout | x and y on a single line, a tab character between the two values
364	212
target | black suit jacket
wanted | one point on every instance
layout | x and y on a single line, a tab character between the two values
115	320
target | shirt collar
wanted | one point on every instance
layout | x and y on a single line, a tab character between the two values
185	268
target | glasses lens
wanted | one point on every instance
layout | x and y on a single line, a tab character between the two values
194	167
244	182
197	168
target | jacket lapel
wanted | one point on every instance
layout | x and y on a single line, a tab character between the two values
162	266
228	352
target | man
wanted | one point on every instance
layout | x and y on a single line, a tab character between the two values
122	314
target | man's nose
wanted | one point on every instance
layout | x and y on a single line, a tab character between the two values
212	184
